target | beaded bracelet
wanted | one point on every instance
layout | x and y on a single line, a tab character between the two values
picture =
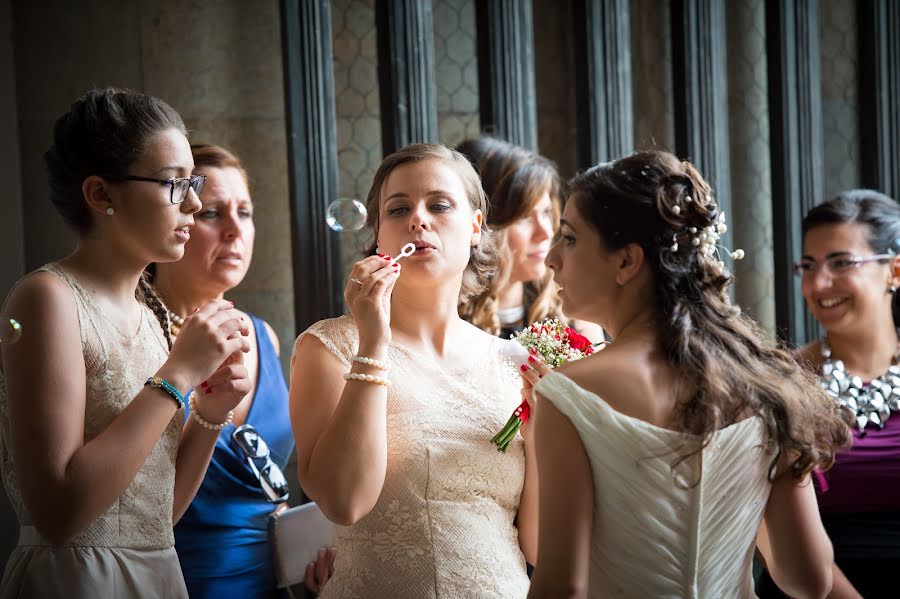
166	387
367	378
370	361
205	423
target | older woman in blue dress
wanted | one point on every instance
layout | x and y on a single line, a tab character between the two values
222	539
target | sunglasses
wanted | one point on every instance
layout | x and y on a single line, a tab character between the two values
178	186
270	476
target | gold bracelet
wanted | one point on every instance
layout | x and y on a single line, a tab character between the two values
205	423
367	378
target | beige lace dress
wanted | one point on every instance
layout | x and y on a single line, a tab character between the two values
443	525
129	550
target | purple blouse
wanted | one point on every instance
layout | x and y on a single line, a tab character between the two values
865	477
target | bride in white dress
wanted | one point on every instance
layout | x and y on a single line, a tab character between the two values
666	459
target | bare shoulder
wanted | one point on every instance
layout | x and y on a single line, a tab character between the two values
632	380
51	338
272	337
40	294
595	372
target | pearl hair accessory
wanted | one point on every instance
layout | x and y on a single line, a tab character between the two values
706	240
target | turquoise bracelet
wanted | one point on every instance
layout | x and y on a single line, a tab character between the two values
166	386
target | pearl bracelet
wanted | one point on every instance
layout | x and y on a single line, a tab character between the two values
205	423
370	361
367	378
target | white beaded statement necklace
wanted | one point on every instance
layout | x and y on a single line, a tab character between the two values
871	403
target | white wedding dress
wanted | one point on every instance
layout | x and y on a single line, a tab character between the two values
659	532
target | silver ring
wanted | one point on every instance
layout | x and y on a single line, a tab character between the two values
357	281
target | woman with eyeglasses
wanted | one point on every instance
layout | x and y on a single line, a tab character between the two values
95	454
222	539
849	275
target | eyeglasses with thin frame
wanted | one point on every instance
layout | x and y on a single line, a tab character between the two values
178	186
270	476
836	266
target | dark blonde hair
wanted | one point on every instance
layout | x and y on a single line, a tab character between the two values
483	258
732	368
514	179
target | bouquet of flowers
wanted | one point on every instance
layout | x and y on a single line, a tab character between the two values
555	344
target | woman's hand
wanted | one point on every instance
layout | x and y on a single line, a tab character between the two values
531	372
206	341
224	389
321	570
368	295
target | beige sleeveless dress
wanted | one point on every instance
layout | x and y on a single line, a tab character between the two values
443	525
129	550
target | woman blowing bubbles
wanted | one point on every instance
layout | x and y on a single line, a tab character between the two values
401	460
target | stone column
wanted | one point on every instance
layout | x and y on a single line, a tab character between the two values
795	129
751	183
406	73
506	70
603	80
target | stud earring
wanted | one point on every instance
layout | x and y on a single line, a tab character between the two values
110	211
892	289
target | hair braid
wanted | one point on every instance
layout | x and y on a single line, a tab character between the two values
147	294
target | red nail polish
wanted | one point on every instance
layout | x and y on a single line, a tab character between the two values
523	368
532	351
386	257
208	390
204	384
532	360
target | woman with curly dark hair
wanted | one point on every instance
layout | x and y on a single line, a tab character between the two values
690	440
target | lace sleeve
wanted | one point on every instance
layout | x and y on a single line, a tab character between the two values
339	335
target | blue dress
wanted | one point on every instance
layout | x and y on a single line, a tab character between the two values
222	539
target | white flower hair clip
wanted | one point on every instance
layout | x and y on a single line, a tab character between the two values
706	240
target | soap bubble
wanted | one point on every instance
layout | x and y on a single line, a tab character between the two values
346	214
10	330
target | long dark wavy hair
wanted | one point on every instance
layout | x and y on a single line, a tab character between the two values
514	179
732	368
878	213
104	133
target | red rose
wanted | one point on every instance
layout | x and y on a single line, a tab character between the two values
576	340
